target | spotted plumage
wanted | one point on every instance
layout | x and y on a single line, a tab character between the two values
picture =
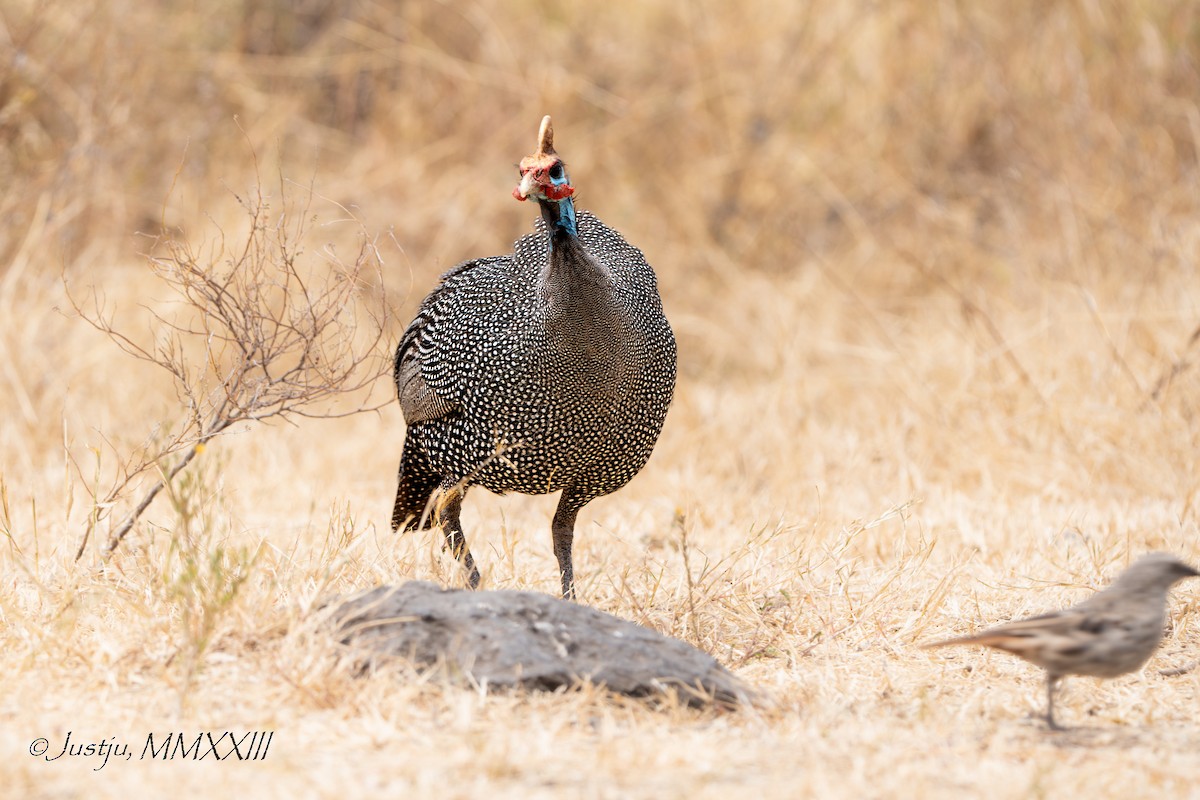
545	370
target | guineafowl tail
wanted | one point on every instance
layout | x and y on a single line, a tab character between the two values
416	485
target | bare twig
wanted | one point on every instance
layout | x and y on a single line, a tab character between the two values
1177	366
260	333
1176	671
974	312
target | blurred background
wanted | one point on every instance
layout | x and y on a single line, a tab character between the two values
904	245
759	138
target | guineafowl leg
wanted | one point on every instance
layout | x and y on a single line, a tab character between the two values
448	516
563	531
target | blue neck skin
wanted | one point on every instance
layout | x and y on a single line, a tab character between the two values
565	218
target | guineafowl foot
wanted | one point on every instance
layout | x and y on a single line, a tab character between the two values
568	583
473	577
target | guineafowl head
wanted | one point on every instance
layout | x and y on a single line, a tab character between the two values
543	174
544	178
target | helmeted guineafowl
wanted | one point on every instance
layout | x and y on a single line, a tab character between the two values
548	369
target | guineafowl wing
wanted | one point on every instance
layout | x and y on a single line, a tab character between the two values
437	359
418	401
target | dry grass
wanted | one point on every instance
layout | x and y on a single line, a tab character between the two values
932	271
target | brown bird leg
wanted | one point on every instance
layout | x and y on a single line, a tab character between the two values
1051	684
563	531
448	517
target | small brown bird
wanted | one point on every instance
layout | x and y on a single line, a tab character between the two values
1113	632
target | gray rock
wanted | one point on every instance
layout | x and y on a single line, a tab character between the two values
527	639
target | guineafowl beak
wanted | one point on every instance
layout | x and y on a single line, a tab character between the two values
543	177
526	187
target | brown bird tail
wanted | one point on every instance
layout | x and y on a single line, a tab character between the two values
990	639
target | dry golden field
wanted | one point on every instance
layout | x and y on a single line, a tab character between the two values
932	269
